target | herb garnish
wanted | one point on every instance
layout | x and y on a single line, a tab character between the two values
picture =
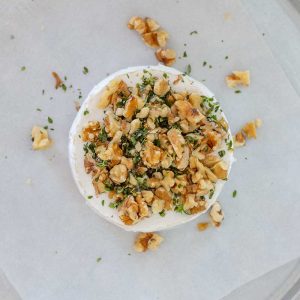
222	153
234	193
86	112
89	197
238	91
184	54
204	64
188	69
98	259
50	120
23	68
85	70
193	32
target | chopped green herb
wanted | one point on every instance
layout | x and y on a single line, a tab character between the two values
45	127
38	109
226	57
204	64
222	153
211	193
156	142
184	54
229	145
50	121
102	164
234	193
238	91
210	66
162	213
89	197
129	254
139	136
102	202
127	76
64	87
52	129
43	92
113	205
85	70
23	68
103	135
165	75
162	122
98	259
65	78
136	159
188	69
184	44
193	32
86	112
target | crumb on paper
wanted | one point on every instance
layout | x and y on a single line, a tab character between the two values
166	56
238	78
58	80
40	138
202	226
145	241
216	214
248	131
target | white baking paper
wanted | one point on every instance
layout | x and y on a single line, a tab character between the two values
50	240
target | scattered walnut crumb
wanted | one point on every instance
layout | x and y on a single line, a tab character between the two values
202	226
238	78
239	140
58	81
216	214
248	131
145	241
166	56
154	37
40	139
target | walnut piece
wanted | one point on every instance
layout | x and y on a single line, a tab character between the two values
239	140
166	56
220	170
202	226
130	107
216	214
40	139
250	130
238	78
118	173
177	141
161	87
145	241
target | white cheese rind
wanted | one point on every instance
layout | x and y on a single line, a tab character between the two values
76	155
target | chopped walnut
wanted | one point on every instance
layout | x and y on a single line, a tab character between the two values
239	140
220	170
166	56
250	130
134	126
130	107
143	113
177	141
151	155
145	241
195	99
129	211
238	78
168	180
158	205
106	96
186	111
202	226
163	194
216	214
148	196
161	87
40	139
118	173
91	131
137	24
152	24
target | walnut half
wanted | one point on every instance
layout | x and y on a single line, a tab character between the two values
40	139
166	56
145	241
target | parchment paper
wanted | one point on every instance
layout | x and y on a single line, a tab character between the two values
50	240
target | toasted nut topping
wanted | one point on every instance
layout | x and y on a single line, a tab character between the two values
137	24
161	87
145	241
130	108
238	78
220	170
216	214
118	173
166	56
40	139
202	226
